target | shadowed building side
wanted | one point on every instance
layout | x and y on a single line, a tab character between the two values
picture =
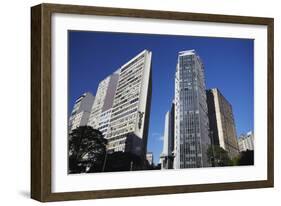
81	111
101	111
222	124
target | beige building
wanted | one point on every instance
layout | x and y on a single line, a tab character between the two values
221	122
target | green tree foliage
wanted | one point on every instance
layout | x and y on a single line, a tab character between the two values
87	148
235	160
218	157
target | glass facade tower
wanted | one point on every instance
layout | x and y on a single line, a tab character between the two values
191	113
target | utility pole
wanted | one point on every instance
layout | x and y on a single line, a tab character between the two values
131	166
213	151
104	162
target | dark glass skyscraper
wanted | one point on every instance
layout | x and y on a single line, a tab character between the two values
191	113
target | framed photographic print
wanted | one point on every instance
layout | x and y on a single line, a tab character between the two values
130	102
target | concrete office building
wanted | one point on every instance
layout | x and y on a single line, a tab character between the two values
221	121
129	121
101	110
246	142
104	122
167	157
81	111
191	119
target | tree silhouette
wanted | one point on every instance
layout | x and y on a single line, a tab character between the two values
86	150
123	161
217	156
246	158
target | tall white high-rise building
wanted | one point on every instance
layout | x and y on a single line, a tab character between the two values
191	118
129	121
102	107
167	156
122	106
222	123
246	142
81	111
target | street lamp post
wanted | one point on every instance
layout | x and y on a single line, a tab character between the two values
131	166
213	150
105	159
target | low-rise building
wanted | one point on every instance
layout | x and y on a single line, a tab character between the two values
246	142
149	158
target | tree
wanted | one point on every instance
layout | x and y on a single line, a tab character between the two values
87	148
235	160
246	158
217	156
123	161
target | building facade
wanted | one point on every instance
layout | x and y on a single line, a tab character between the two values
191	119
129	121
246	142
221	121
81	111
167	156
102	107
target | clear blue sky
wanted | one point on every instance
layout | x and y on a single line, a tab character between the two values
228	66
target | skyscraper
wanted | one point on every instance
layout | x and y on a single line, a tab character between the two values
222	124
81	111
167	156
129	122
102	107
191	119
